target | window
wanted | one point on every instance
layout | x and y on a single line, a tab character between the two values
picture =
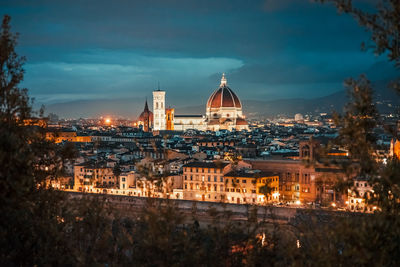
244	181
185	177
238	190
221	188
232	189
215	188
185	186
221	179
197	186
244	190
253	191
123	179
202	178
191	177
209	178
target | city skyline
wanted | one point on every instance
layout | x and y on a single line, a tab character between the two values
268	49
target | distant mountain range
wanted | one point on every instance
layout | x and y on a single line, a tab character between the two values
387	101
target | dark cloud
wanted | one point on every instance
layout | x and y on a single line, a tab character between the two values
270	49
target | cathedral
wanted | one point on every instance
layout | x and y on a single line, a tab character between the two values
223	112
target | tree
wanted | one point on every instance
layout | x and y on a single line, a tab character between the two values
383	25
29	210
356	128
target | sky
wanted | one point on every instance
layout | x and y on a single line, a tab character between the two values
269	49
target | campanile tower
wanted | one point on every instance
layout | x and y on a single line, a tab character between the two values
159	110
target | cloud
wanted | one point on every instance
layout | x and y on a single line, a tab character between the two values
101	49
136	76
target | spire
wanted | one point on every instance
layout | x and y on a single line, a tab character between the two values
223	80
146	107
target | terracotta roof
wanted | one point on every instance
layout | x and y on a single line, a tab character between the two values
240	121
223	97
202	164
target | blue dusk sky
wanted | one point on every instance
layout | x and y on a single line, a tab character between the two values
270	49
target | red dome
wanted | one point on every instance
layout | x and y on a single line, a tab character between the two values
223	97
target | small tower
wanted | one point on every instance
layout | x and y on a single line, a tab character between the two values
159	110
223	80
170	118
146	118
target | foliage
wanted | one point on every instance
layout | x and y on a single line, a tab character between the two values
356	127
29	210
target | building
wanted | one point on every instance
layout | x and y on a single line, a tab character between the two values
159	110
170	115
64	135
248	186
395	148
187	122
224	109
358	195
127	180
89	177
204	181
223	112
300	181
146	119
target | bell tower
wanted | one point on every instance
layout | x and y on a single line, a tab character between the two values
159	110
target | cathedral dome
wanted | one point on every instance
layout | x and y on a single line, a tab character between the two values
223	97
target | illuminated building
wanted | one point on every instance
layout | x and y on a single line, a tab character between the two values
357	196
159	110
146	118
59	136
250	187
224	109
223	112
204	181
170	115
300	182
395	148
91	178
